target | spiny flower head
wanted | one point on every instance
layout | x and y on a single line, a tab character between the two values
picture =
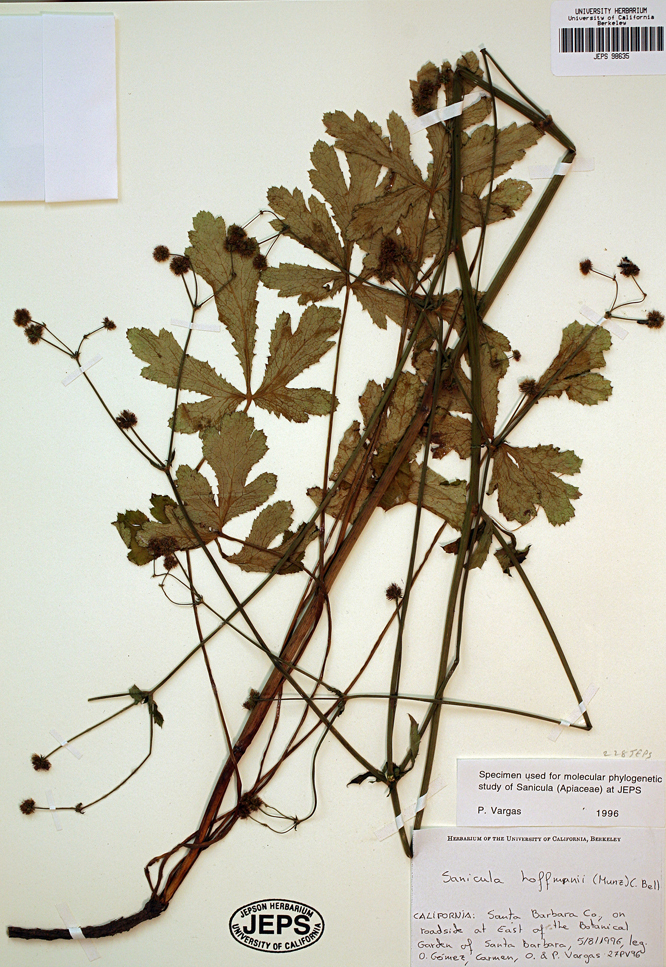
126	420
40	763
108	323
34	332
585	266
655	319
27	806
260	262
394	592
252	699
161	253
22	317
528	387
180	265
390	254
627	267
162	545
248	803
238	240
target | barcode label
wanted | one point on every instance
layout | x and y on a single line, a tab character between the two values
607	40
579	40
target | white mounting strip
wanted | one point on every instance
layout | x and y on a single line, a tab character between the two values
65	744
561	168
580	709
75	931
72	376
592	315
601	320
435	786
207	326
52	806
615	329
441	114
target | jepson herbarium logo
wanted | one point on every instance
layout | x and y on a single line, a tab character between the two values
276	926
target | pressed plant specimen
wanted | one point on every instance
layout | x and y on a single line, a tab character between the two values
381	240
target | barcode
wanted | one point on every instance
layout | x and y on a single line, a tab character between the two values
579	40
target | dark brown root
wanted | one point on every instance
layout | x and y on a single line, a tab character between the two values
153	908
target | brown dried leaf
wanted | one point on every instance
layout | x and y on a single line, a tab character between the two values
311	226
451	432
232	450
380	303
290	354
164	354
505	201
484	540
348	444
477	153
257	554
308	283
384	214
326	177
363	137
476	112
576	380
505	561
527	478
233	278
445	498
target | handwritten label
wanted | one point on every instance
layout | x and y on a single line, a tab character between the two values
562	792
537	895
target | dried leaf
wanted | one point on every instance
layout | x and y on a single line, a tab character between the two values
363	137
311	226
576	380
290	354
526	478
128	525
505	200
164	355
233	278
272	522
480	552
232	451
357	780
476	112
445	498
414	738
493	364
380	303
308	283
384	214
505	561
326	177
477	153
451	432
348	444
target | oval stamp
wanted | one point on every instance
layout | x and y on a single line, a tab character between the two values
276	926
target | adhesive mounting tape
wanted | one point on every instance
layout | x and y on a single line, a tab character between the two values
65	744
82	369
75	931
203	326
435	786
580	709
